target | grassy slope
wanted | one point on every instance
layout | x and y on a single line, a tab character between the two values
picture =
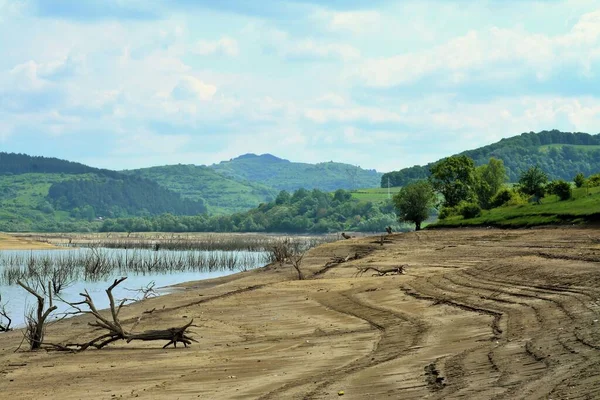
22	195
584	207
285	175
223	195
375	194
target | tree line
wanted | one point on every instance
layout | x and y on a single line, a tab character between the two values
302	211
16	164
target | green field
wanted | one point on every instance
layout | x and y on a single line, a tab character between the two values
374	194
583	207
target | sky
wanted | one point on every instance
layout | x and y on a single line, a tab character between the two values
381	84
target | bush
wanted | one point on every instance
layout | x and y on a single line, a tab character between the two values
518	199
594	180
501	198
560	188
446	212
469	210
579	180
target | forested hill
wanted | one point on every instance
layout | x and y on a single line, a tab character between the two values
560	154
49	194
16	164
282	174
194	182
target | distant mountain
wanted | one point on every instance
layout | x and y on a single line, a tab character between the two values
281	174
223	194
560	154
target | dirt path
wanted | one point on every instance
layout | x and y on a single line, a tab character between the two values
479	314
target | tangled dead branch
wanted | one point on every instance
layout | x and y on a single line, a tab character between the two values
296	262
4	326
114	328
399	270
36	323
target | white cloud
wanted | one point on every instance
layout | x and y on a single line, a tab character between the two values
310	48
352	21
225	45
479	50
138	143
191	88
332	99
351	113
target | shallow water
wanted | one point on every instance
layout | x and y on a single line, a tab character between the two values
17	300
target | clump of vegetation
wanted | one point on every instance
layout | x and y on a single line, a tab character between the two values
469	209
560	188
533	181
579	180
501	198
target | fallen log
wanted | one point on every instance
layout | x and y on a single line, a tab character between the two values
173	335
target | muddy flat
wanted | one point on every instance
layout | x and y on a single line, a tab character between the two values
478	314
10	242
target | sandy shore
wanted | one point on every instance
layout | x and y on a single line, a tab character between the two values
478	314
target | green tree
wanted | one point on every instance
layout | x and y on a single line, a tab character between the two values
414	201
454	178
283	197
489	179
533	181
579	180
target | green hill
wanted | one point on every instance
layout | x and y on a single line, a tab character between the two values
222	194
66	196
282	174
560	154
583	207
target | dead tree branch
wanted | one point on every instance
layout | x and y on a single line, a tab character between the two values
4	327
382	272
36	325
115	330
296	262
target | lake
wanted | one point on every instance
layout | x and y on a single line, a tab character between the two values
164	268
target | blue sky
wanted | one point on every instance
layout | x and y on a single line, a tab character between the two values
380	84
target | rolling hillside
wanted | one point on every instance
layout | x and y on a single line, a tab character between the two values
223	195
65	196
282	174
560	154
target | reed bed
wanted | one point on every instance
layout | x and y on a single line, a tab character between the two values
205	242
61	268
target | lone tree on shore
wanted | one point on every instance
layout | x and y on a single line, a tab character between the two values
414	201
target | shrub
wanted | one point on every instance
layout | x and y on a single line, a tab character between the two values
469	210
518	199
594	180
560	188
446	212
501	198
579	180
